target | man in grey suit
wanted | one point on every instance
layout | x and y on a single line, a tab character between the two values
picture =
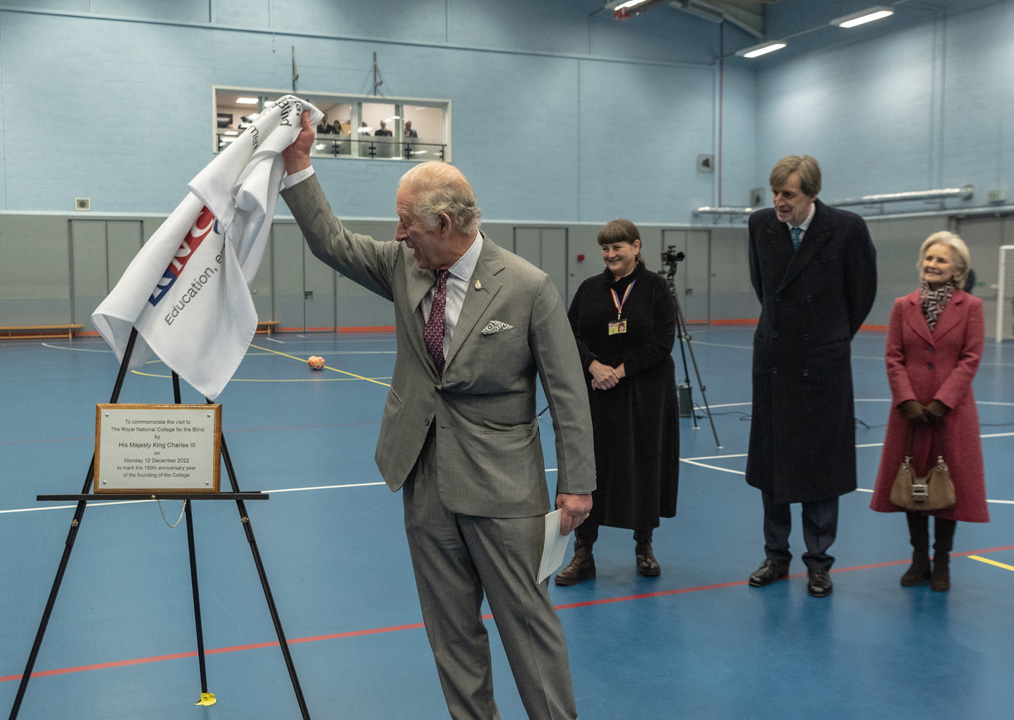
460	434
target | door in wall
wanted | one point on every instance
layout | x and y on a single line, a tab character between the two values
100	250
546	248
304	287
984	236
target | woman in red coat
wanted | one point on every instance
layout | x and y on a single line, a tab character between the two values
934	343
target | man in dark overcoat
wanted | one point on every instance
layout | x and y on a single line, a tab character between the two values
814	270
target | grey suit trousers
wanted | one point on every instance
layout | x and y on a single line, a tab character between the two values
456	559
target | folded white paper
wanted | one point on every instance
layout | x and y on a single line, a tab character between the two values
555	547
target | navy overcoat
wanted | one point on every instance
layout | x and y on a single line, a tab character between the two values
802	436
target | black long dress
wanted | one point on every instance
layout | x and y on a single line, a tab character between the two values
635	423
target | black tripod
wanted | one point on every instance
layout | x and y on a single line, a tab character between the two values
671	258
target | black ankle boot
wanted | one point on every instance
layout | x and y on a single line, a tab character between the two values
580	568
647	565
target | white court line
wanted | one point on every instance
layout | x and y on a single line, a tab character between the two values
325	487
712	467
694	461
74	349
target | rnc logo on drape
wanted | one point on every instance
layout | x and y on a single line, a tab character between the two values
203	226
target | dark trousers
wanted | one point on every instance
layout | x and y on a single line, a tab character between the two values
820	526
587	533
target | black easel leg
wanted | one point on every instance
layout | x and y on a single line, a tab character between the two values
69	544
247	527
197	599
201	661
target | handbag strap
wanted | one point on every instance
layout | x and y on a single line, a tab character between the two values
937	441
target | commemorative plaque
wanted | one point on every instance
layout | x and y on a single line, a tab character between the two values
157	448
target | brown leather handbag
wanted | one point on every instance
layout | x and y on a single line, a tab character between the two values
933	492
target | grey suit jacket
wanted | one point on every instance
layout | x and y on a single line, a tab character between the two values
489	453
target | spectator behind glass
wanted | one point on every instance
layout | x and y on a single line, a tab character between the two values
624	321
383	131
934	344
409	132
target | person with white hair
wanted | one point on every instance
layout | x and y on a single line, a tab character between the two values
934	344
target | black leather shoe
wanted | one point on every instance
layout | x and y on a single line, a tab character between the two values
768	573
819	583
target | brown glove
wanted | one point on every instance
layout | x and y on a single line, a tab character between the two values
913	411
936	410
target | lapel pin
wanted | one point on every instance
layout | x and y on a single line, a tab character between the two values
478	285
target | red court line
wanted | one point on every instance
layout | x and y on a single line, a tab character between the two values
420	626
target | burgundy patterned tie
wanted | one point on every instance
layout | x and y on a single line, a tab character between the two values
433	333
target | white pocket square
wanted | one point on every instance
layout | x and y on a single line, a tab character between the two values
496	326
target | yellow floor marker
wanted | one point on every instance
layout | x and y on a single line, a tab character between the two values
992	562
206	699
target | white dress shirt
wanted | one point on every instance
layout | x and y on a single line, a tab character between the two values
457	280
457	288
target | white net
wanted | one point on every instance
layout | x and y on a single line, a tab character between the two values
1005	295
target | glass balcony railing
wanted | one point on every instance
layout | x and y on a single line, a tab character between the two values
382	148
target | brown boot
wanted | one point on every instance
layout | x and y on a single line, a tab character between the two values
581	567
943	531
919	570
940	580
647	565
918	533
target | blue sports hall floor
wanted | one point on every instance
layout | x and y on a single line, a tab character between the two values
696	642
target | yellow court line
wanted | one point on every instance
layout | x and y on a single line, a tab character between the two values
266	380
991	562
343	372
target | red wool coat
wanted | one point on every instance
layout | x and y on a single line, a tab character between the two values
925	366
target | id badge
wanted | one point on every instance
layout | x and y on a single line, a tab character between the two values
618	327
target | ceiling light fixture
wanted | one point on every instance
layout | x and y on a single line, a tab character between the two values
762	49
877	12
623	9
246	101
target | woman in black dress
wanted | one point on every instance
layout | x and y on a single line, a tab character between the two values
624	321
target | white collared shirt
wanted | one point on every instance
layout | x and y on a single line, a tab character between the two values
457	288
806	223
457	280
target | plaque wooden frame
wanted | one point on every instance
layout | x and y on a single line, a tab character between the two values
168	444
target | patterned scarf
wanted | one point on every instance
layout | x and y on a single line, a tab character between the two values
934	302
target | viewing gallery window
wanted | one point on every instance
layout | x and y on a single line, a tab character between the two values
354	126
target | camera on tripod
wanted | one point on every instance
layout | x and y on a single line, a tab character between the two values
670	257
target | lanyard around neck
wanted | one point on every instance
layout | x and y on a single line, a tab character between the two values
619	303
